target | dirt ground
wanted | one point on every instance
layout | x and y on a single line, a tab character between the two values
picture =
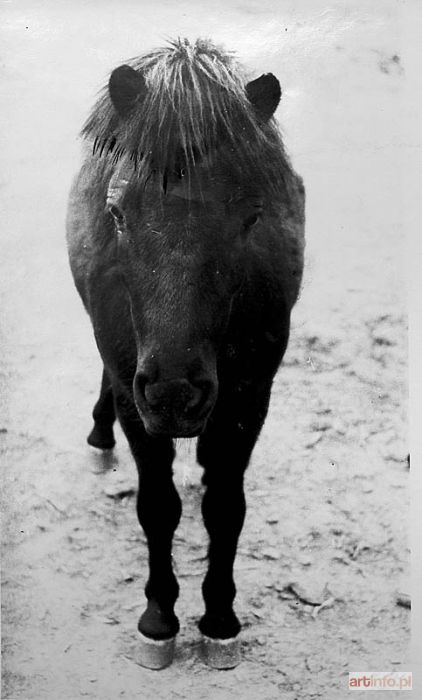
324	552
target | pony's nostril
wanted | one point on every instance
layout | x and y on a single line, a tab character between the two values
201	394
195	401
155	398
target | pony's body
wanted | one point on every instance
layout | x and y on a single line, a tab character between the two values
185	234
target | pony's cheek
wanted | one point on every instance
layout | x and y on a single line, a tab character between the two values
124	251
124	239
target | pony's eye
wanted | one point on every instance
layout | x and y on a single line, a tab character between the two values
116	213
250	221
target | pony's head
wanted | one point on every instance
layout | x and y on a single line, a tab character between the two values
198	167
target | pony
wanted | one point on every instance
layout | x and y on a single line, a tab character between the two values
185	233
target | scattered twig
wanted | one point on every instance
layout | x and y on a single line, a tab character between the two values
119	492
187	574
199	558
326	604
108	619
127	658
53	505
302	595
357	549
314	440
350	562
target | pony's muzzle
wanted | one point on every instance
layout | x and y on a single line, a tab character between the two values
177	407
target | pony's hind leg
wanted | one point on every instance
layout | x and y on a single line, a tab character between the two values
104	415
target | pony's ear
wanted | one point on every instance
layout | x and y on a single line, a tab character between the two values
126	86
264	94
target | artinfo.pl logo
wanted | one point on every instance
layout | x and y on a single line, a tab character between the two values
380	680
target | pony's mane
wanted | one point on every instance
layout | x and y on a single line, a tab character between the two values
195	103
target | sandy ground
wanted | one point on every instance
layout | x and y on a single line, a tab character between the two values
327	487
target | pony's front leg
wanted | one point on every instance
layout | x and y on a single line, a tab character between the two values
224	450
159	509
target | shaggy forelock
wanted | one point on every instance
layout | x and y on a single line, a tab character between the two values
195	104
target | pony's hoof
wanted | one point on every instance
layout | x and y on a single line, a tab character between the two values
221	653
102	439
156	654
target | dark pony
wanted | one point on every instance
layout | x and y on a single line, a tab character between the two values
185	235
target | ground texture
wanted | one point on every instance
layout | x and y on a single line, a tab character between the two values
323	557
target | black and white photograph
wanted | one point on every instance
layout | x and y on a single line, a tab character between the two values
204	291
